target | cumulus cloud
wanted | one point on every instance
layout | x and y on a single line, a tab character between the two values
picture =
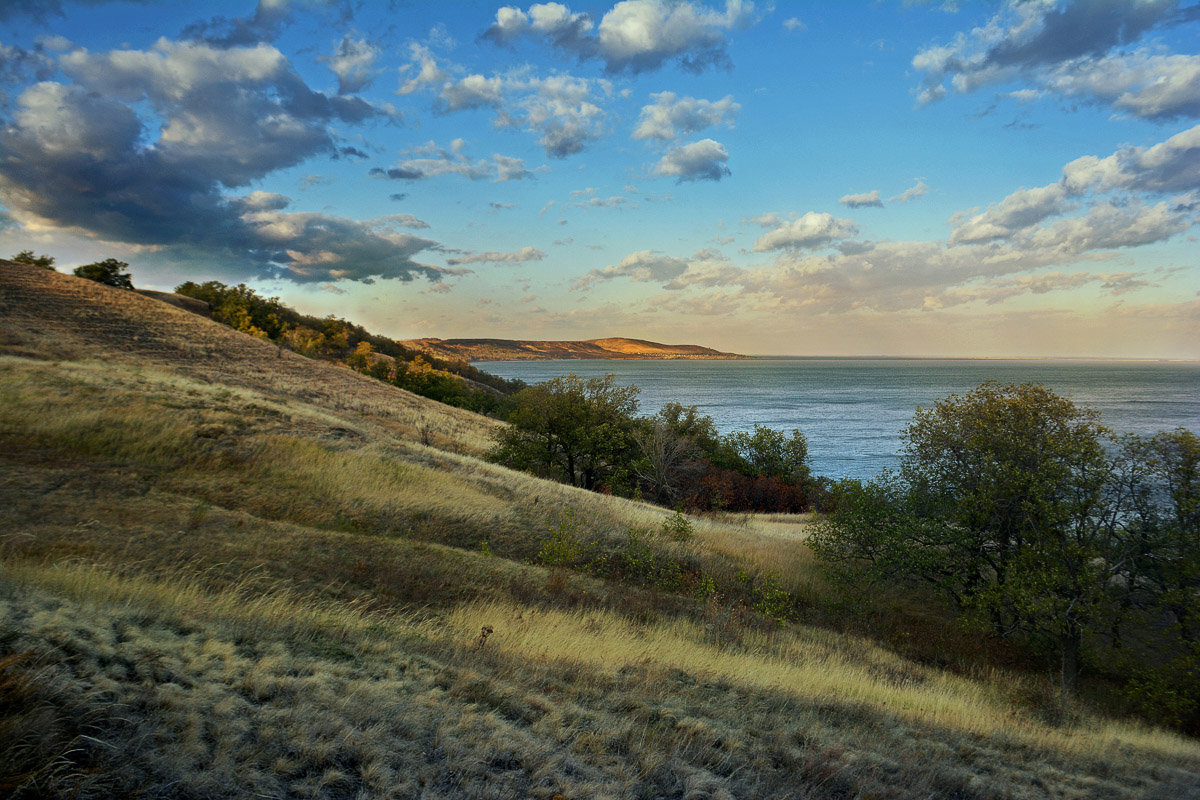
813	230
1172	166
1022	209
562	110
81	158
554	21
700	161
353	64
671	117
495	257
472	91
635	35
433	161
640	35
234	114
864	200
1076	49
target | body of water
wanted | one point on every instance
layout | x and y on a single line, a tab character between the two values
853	409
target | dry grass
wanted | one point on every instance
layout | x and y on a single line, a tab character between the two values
222	576
243	692
46	315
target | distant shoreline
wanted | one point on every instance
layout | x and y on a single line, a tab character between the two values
612	348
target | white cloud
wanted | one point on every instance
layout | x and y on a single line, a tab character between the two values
813	230
424	69
433	161
354	64
644	266
702	160
1170	166
562	110
864	200
795	24
670	117
495	257
919	189
473	91
634	35
1022	209
640	35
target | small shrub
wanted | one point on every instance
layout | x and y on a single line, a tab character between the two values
678	527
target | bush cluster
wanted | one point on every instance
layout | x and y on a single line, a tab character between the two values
1034	520
586	432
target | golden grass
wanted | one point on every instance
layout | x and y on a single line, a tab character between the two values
251	690
809	664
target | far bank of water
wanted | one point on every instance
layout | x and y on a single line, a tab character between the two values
853	409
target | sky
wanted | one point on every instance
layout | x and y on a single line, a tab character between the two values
897	178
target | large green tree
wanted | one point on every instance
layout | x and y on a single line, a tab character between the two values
575	429
110	272
1002	502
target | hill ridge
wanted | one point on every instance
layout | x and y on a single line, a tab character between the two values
611	347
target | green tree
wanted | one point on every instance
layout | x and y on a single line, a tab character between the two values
27	257
1003	502
770	453
578	430
110	272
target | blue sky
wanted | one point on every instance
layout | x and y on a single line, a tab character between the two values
1015	179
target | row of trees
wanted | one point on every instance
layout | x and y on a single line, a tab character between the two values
586	432
1034	520
453	382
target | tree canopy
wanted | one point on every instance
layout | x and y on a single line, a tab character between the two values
110	272
27	257
1021	508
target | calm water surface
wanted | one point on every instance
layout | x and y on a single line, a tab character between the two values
853	410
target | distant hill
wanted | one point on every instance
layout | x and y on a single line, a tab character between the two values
532	350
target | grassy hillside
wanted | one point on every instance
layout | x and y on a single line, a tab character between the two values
230	571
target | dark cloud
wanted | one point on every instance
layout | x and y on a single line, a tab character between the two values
263	26
1079	49
700	161
79	157
41	11
1081	28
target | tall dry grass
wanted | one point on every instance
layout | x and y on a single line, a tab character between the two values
244	691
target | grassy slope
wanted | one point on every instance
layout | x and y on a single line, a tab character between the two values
229	571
